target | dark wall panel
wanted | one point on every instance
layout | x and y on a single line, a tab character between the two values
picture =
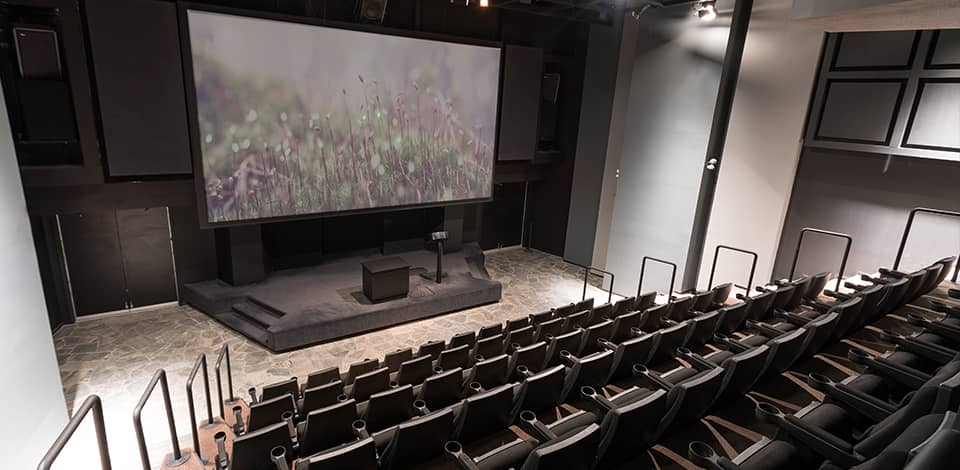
946	49
503	222
147	256
935	120
136	55
876	50
194	248
860	110
520	103
92	249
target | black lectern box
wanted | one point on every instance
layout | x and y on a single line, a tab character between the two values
385	278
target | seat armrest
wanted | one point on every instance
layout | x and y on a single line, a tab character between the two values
568	359
891	273
597	400
939	328
730	343
852	286
934	352
818	306
702	455
359	428
904	375
852	399
836	295
764	329
792	318
641	371
695	360
816	439
535	427
454	451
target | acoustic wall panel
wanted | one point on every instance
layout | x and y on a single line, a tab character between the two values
860	111
945	52
935	119
520	103
135	50
147	256
884	50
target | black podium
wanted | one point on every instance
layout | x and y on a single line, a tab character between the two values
385	279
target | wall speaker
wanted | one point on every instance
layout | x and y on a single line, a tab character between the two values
550	86
372	11
38	53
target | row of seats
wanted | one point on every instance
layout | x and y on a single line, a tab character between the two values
902	406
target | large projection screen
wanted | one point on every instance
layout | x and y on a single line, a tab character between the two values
296	119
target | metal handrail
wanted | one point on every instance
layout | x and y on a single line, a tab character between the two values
224	353
753	267
200	364
91	403
909	227
178	457
843	260
643	270
587	271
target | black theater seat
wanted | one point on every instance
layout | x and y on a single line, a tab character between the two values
547	328
268	412
482	430
573	452
359	368
442	390
251	451
278	389
368	384
359	455
320	396
418	444
414	371
385	410
393	359
490	346
321	377
624	306
488	373
328	427
531	358
460	356
624	326
570	342
467	338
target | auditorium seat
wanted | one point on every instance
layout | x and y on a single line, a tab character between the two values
358	455
636	350
385	410
442	390
546	328
570	309
624	306
490	346
518	338
418	443
721	294
516	324
482	431
488	373
278	389
414	371
570	342
577	320
645	301
585	304
459	356
741	370
392	360
359	368
251	451
368	384
328	427
819	331
671	338
759	305
530	357
467	338
320	396
655	317
786	348
593	335
702	301
489	330
680	308
690	393
600	313
431	348
591	370
573	452
268	412
543	394
624	325
321	377
538	318
702	328
734	317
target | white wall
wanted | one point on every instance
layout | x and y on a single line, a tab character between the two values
764	141
32	407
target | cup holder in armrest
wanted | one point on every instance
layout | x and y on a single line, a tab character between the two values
701	454
639	369
514	346
421	407
438	370
478	358
452	447
819	381
528	416
394	384
476	387
588	391
342	397
523	371
857	356
360	429
768	412
684	352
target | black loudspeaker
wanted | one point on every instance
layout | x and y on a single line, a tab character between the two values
549	92
38	53
372	11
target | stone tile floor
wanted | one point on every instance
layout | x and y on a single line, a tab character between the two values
115	357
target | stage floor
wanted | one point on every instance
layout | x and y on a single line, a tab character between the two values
300	307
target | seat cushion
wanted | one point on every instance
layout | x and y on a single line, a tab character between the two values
777	454
573	422
831	418
508	455
870	384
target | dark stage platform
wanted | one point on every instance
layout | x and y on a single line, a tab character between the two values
299	307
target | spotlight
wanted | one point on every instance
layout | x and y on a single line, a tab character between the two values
707	10
484	3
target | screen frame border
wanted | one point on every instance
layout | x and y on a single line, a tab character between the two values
196	154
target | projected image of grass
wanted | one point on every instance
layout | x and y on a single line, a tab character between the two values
267	155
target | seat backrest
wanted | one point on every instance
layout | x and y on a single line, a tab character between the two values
593	370
721	293
817	283
623	324
538	318
359	368
455	357
570	342
759	306
541	391
467	338
519	337
443	389
671	338
415	371
949	264
702	301
431	348
574	452
787	349
417	441
872	299
359	455
585	304
489	330
645	301
569	309
489	347
323	377
680	309
552	327
655	317
602	330
821	330
251	451
625	305
733	317
328	427
389	408
278	389
517	323
850	316
392	360
782	297
638	350
269	411
896	290
699	394
320	397
601	312
629	429
800	287
532	357
916	281
490	372
370	383
744	369
484	414
580	319
704	326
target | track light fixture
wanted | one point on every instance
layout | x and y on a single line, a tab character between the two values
707	10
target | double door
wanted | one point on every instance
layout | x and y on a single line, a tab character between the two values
119	259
